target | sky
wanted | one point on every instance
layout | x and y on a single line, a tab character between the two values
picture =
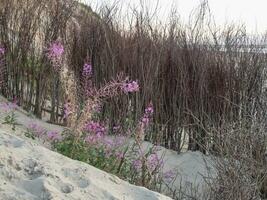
252	13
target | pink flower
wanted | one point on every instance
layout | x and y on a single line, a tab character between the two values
116	128
87	70
87	83
120	140
91	139
66	110
54	136
119	155
130	87
2	51
36	129
108	153
154	162
149	110
114	143
9	106
169	176
137	164
95	128
108	142
55	50
145	120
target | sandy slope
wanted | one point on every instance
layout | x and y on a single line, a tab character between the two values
190	167
31	172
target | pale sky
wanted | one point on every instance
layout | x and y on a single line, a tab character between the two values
252	13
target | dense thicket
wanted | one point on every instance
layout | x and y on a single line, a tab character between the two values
198	77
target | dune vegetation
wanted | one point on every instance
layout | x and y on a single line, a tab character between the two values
113	87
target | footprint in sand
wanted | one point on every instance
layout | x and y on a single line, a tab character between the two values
36	188
32	168
74	175
66	188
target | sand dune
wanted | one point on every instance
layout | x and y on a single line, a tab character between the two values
29	171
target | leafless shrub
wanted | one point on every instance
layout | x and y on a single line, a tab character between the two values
189	73
26	28
198	77
240	163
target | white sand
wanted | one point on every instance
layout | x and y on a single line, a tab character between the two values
31	172
190	167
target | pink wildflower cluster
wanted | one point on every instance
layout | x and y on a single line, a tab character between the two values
87	70
95	128
130	87
54	136
2	51
116	128
86	78
147	115
96	131
92	139
36	129
115	142
169	176
119	154
110	145
152	161
55	52
8	106
66	110
98	137
137	164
